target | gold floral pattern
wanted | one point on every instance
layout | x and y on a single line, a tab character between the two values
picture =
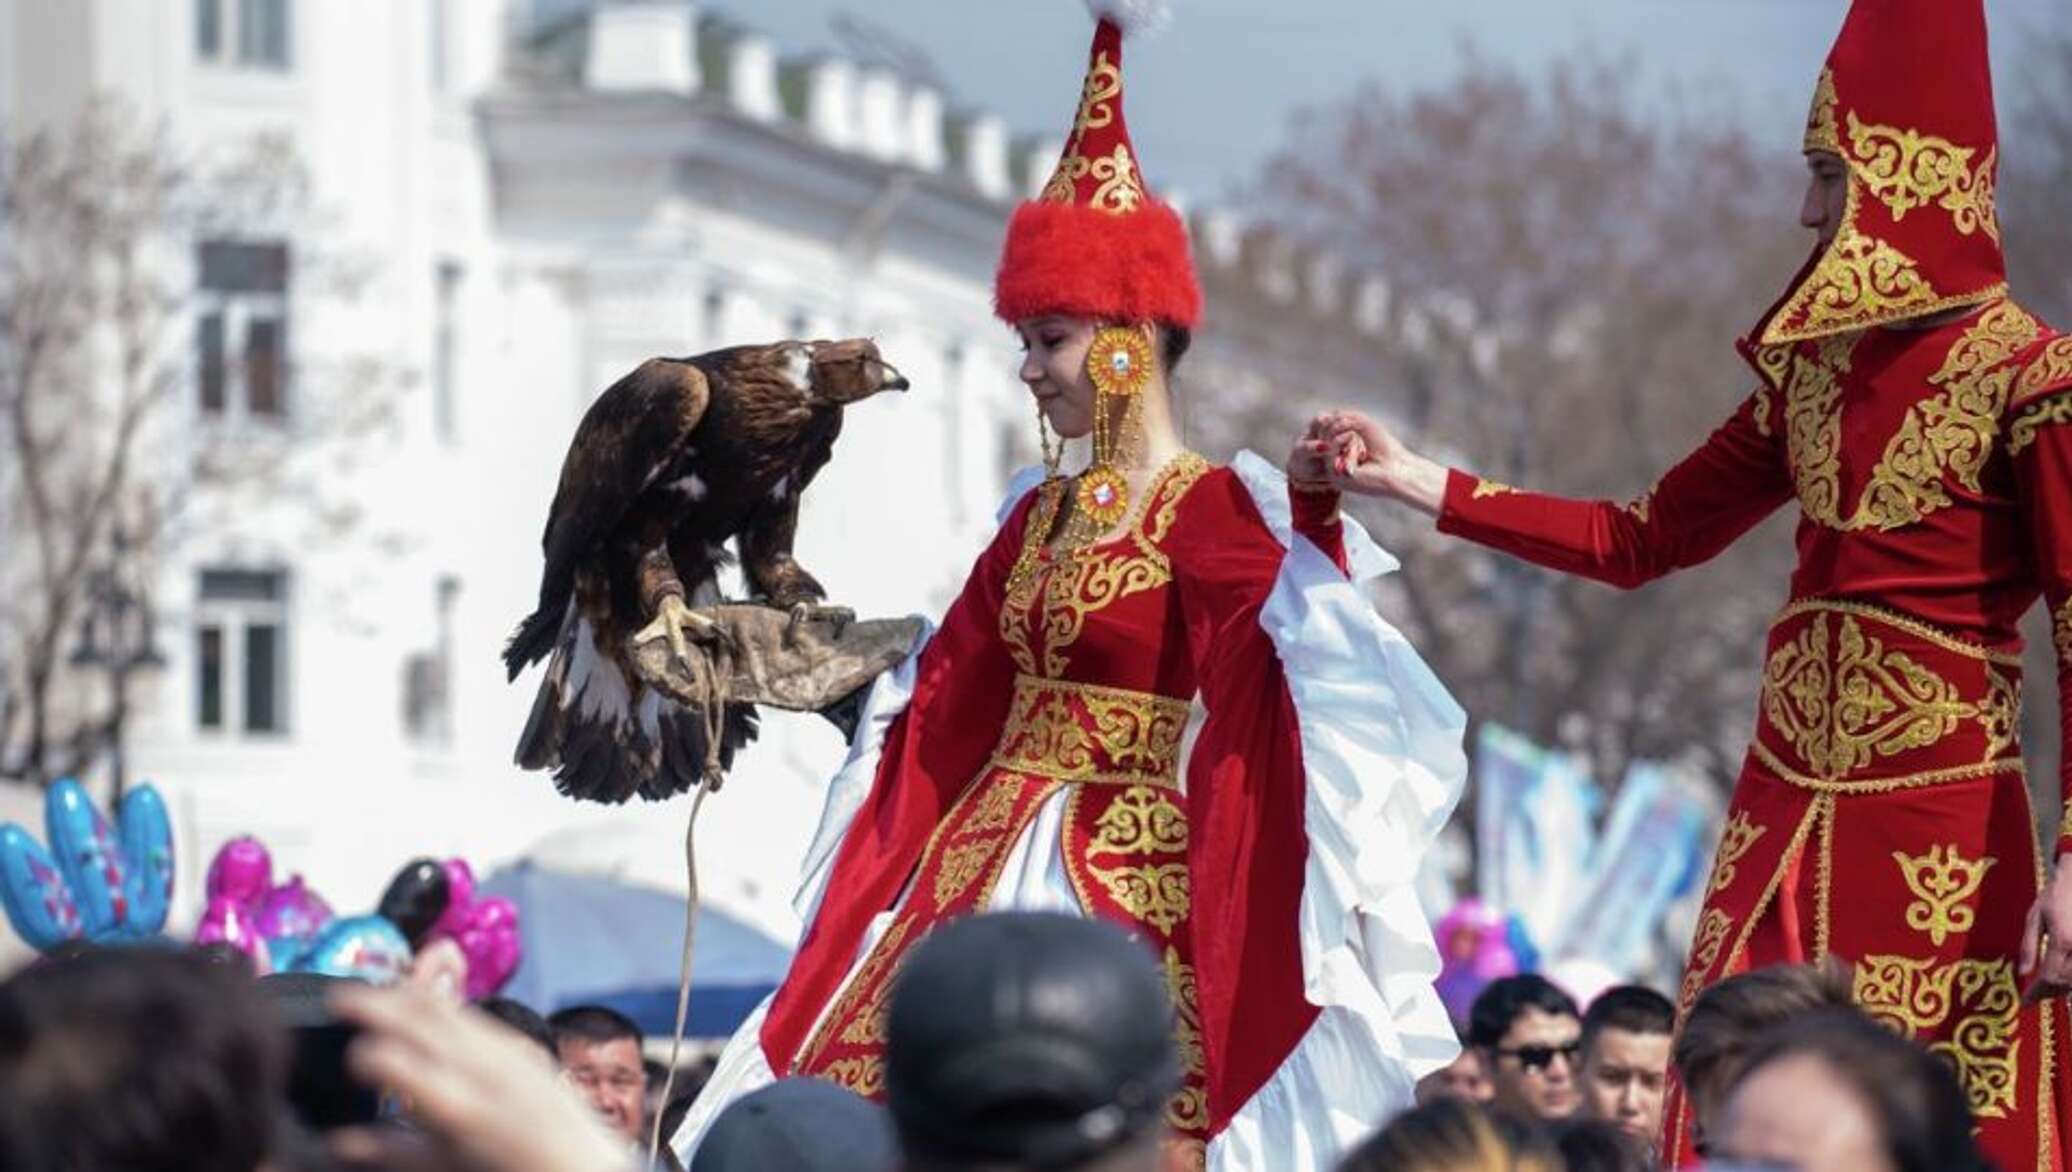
1942	881
1143	820
1119	188
2061	630
961	865
1713	927
2050	368
1485	488
1947	435
1838	705
1641	506
1739	834
1821	131
865	1074
2035	417
1188	1110
1907	170
1081	732
1860	280
1157	893
1920	998
1050	592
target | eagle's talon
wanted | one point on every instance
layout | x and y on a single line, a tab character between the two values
678	625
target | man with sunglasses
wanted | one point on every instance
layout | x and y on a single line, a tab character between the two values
1529	1034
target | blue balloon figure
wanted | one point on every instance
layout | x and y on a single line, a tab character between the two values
95	882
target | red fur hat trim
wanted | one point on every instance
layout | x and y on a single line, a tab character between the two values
1072	259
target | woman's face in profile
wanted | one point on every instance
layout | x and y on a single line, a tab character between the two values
1054	350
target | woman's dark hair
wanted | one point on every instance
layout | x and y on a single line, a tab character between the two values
1175	341
1593	1145
1449	1135
1912	1096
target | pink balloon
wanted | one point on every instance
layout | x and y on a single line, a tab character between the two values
226	921
242	871
490	941
292	910
460	897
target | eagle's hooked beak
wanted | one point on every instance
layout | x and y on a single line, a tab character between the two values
890	379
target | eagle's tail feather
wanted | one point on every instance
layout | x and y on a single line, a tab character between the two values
684	741
535	635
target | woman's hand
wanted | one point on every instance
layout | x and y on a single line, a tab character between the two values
485	1095
2046	954
1310	462
1364	457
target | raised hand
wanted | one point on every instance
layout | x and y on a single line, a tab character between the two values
1365	457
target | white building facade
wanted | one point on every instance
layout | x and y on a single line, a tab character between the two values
543	212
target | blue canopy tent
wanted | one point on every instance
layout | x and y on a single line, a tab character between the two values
594	941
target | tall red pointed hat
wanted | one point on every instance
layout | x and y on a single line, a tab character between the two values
1907	101
1096	242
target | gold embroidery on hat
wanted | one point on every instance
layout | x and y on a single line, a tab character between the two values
1906	170
1821	134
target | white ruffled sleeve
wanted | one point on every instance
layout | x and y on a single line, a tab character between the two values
1383	769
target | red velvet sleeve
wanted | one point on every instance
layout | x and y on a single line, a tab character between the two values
1246	839
2041	441
963	685
1735	479
1315	515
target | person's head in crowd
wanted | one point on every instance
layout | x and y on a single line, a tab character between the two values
1452	1135
522	1018
599	1051
1598	1145
1725	1020
1030	1041
1530	1034
1625	1067
799	1125
1836	1092
137	1059
1465	1078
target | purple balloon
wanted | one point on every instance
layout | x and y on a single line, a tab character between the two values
292	910
241	872
226	921
490	941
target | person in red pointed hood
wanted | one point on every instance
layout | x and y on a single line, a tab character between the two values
1915	415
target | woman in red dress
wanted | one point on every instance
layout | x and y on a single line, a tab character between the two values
1034	754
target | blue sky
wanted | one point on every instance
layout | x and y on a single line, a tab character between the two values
1211	97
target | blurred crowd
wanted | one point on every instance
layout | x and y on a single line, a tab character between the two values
1016	1041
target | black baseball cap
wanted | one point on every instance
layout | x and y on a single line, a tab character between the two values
1035	1038
799	1125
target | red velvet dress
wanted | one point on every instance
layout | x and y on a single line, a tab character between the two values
1881	814
1063	679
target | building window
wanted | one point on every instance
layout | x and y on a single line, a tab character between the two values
240	633
445	342
428	676
241	338
262	32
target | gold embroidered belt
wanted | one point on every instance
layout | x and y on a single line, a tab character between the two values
1087	733
1861	700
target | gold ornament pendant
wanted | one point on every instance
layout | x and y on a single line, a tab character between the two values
1103	497
1119	365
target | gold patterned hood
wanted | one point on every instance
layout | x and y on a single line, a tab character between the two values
1906	100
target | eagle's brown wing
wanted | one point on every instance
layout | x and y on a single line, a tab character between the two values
629	436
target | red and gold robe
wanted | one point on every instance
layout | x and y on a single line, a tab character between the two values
1881	814
1039	763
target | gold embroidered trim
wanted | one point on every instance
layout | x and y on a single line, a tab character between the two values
865	983
1884	784
1120	188
1919	997
1911	626
1050	592
1824	874
1641	506
1840	706
1485	488
1188	1110
2047	1123
1710	938
2053	365
1949	434
865	1075
1087	733
1942	880
2065	823
1906	170
1691	988
1821	132
1739	834
2055	409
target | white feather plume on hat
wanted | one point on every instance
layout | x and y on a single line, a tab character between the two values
1133	16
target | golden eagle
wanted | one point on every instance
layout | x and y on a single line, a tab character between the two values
668	465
